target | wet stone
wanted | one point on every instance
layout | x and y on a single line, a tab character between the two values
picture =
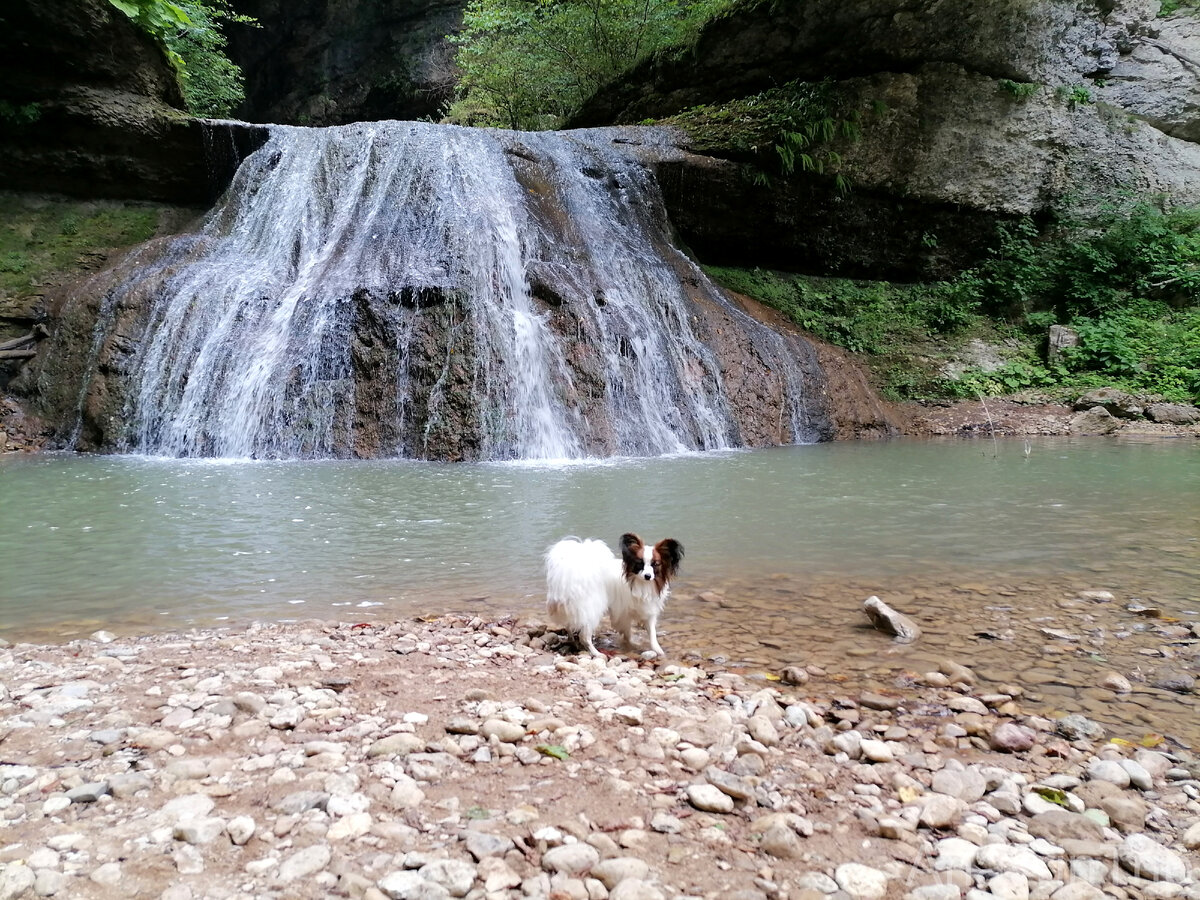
1076	727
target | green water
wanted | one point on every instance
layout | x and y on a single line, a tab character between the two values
136	543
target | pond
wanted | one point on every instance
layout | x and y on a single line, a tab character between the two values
986	544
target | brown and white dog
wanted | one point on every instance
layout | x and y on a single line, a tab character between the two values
584	579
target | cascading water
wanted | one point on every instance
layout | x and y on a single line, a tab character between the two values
406	289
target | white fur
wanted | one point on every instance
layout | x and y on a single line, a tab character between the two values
584	579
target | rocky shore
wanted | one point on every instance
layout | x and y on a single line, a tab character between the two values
467	758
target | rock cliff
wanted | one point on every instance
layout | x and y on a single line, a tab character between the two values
97	111
970	113
329	62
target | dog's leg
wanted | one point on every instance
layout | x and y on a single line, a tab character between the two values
585	638
651	630
624	625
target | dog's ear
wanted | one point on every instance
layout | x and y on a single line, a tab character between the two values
670	551
631	547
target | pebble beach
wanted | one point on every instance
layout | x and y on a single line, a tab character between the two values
468	757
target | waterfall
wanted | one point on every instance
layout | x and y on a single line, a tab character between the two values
408	289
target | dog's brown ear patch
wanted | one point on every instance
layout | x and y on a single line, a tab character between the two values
631	545
670	552
631	554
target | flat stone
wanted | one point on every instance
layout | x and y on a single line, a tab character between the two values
1116	683
1127	813
1138	776
302	801
727	783
941	811
763	730
1078	890
201	830
629	715
240	829
1057	825
1173	413
935	892
887	620
816	881
1191	837
877	751
497	875
1076	727
965	784
611	872
635	889
1008	737
878	701
504	731
406	794
305	862
455	875
481	844
709	799
400	744
350	826
88	793
577	859
781	842
861	881
1108	770
410	886
1009	886
1144	857
1007	858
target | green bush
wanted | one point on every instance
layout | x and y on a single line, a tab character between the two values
528	64
190	33
788	129
1128	282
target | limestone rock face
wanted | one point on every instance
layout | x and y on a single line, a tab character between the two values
105	114
971	113
330	63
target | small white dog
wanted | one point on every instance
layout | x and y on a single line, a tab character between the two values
584	579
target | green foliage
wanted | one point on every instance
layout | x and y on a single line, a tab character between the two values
1124	257
787	129
1170	7
161	19
529	64
190	33
212	84
1128	282
14	115
890	323
1019	374
41	240
1018	90
1074	95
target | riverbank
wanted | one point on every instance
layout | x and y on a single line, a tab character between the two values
462	757
997	416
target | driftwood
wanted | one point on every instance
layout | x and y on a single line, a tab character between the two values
17	342
17	354
887	620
